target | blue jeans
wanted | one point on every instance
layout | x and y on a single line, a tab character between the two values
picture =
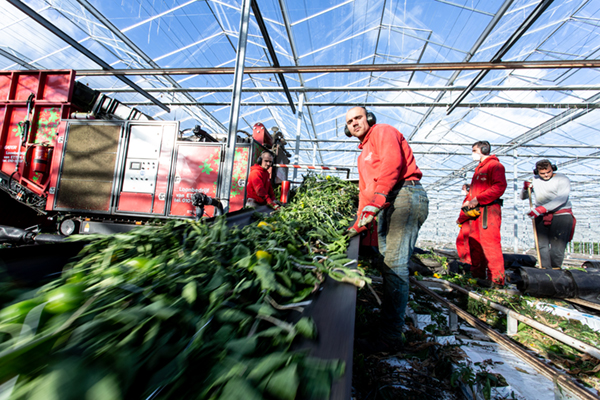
398	229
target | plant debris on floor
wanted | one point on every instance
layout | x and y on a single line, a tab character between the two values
419	368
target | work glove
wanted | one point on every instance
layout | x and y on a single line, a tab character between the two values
370	211
536	212
355	229
526	185
472	212
274	205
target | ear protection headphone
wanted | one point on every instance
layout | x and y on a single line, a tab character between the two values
544	161
259	160
484	147
371	120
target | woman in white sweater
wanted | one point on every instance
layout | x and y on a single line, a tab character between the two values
554	220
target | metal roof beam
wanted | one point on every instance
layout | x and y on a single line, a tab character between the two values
583	105
534	133
446	153
292	42
140	53
267	39
535	14
83	50
16	59
364	89
468	144
484	35
314	69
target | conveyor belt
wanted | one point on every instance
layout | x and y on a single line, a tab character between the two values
333	311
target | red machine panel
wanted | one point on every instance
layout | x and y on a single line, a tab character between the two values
196	171
262	135
50	93
11	139
49	86
238	181
26	85
135	202
56	87
5	80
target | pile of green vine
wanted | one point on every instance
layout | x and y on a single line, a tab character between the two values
187	310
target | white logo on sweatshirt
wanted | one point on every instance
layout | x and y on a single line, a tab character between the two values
368	158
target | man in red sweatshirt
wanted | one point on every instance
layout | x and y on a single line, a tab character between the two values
258	189
390	188
487	186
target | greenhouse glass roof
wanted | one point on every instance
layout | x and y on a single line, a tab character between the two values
412	63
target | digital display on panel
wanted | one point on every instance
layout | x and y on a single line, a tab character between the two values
135	165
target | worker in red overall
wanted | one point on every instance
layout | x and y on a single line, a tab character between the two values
462	240
259	190
487	186
391	191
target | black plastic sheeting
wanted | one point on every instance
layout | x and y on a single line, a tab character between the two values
591	264
518	260
560	284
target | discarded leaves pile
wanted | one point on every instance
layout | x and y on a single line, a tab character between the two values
187	310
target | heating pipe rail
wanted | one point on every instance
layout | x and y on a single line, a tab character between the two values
557	377
513	317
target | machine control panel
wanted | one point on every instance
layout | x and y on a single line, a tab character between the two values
143	154
140	175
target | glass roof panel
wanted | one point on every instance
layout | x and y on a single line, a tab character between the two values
555	108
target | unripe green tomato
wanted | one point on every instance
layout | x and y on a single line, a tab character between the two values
17	312
64	298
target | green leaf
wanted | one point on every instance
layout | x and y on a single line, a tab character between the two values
239	389
223	372
301	295
230	315
218	295
242	346
284	384
285	279
189	292
306	327
266	275
106	389
268	364
159	310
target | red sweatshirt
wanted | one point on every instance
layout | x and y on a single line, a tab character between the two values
259	185
489	181
385	160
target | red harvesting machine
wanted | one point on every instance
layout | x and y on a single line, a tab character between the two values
94	165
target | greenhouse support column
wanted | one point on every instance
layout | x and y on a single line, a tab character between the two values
298	131
515	199
236	96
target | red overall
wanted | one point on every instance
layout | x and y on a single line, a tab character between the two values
488	185
462	243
